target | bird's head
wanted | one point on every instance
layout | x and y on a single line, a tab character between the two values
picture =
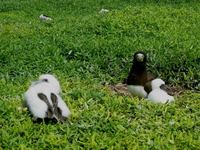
140	57
156	83
53	82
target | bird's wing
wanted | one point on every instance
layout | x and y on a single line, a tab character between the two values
148	87
150	76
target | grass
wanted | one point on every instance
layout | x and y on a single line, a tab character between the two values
85	49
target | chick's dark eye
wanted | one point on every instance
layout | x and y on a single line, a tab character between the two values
45	80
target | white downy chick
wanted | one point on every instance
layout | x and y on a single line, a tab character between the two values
35	104
41	103
158	95
44	18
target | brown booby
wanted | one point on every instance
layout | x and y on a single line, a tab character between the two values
139	76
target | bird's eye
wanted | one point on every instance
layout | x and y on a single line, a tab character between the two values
45	80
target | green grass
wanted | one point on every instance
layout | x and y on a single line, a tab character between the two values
85	49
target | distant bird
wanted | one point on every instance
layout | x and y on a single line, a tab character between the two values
158	92
43	99
44	18
103	11
138	75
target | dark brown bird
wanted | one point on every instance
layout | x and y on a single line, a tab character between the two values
139	76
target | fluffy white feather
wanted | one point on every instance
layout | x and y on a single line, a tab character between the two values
65	110
158	95
47	84
37	107
53	82
156	83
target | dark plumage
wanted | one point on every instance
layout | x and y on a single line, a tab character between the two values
144	84
43	97
139	76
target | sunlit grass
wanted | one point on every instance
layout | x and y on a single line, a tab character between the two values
87	50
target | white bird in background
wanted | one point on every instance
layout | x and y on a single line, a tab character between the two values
44	18
103	11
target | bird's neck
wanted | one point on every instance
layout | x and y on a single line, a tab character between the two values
137	75
138	69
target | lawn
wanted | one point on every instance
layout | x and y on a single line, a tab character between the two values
88	50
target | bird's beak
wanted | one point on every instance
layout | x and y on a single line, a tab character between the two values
164	87
140	58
